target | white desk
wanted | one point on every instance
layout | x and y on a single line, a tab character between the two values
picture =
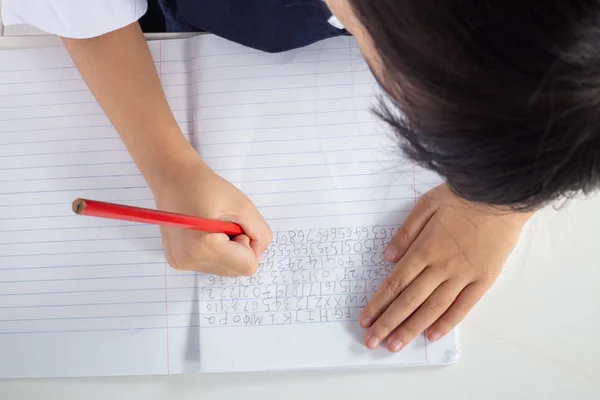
536	335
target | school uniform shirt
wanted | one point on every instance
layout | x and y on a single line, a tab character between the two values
77	19
80	19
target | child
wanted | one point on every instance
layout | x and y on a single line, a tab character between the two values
501	98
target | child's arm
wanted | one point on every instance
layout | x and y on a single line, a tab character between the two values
119	70
448	254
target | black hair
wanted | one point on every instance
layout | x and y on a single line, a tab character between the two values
499	97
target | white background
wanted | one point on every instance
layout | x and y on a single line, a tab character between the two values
536	335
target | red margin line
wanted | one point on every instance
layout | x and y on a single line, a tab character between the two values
415	191
166	265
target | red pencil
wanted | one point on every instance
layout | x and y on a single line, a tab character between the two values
135	214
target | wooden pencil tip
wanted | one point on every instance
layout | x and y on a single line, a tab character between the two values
78	206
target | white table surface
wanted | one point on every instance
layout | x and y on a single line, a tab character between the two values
536	334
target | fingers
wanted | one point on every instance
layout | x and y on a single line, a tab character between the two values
399	279
403	306
410	229
257	230
211	253
457	311
244	240
235	256
217	253
238	256
426	314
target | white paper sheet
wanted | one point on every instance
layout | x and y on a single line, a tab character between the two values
82	297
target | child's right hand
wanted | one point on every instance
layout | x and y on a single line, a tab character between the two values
126	85
191	187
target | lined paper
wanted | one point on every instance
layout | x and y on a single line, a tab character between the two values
293	131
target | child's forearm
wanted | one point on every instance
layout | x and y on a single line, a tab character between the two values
120	72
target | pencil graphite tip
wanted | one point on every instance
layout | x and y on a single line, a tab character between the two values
78	206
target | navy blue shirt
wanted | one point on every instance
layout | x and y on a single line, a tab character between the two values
267	25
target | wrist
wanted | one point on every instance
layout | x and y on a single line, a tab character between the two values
167	162
515	215
175	168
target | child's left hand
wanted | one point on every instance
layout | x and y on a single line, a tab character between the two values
448	254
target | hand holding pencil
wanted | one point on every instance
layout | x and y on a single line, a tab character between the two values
200	191
206	244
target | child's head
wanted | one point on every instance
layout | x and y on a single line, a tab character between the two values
502	97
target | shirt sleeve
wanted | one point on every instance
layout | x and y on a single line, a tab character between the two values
74	19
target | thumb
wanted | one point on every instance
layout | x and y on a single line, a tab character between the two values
257	231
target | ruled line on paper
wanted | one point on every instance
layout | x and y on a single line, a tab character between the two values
178	61
203	131
78	79
202	119
214	107
235	182
11	95
236	169
339	202
141	328
220	157
303	217
144	199
183	274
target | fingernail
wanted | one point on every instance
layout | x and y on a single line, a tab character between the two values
366	322
371	341
395	345
391	253
435	336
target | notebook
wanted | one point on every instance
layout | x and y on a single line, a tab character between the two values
90	297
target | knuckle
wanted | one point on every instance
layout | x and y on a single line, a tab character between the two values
368	310
433	307
408	299
402	238
425	252
456	265
463	307
443	325
394	285
382	328
406	333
